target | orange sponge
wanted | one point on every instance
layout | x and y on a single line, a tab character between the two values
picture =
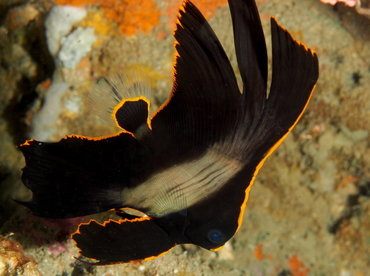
131	16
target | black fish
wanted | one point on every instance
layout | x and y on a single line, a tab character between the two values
191	166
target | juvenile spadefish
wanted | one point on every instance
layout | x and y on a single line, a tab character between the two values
191	165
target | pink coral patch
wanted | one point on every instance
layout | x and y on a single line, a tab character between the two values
350	3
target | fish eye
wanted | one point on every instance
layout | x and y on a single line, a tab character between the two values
215	236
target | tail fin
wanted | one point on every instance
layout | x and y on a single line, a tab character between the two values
78	175
295	72
270	117
294	75
132	114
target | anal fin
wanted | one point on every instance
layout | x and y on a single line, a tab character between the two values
122	241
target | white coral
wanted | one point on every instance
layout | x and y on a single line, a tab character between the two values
44	122
75	46
59	23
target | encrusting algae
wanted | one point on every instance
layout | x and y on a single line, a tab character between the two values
13	261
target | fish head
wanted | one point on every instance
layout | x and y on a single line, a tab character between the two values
212	223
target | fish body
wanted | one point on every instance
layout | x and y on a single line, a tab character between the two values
190	166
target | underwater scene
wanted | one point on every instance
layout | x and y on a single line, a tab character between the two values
189	138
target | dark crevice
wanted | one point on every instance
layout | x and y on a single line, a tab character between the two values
16	110
5	7
352	208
